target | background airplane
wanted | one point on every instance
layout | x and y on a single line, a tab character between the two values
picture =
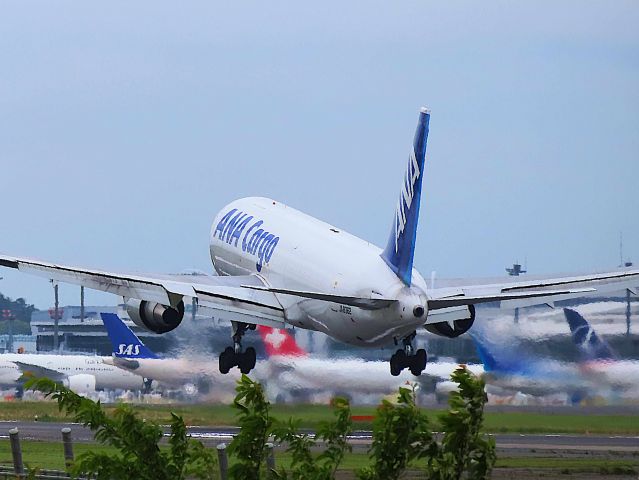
81	373
511	367
616	377
297	374
189	375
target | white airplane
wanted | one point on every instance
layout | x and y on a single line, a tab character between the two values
80	373
292	369
131	355
599	362
279	267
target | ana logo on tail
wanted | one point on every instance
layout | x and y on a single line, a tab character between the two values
400	248
406	198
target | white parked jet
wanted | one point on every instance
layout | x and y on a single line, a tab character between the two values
80	373
279	267
188	374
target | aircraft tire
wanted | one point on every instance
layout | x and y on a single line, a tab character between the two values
244	363
227	360
418	362
251	356
397	362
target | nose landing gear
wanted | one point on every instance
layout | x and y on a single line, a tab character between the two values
235	356
407	358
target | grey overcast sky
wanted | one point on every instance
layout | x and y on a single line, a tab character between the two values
125	126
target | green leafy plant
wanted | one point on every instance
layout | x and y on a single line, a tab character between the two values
464	449
137	441
305	465
401	434
255	426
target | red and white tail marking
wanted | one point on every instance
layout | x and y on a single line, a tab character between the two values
279	342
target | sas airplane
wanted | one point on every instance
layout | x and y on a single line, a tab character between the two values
131	355
279	267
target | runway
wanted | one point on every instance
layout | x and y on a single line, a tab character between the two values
515	443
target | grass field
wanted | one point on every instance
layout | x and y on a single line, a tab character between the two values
311	415
49	455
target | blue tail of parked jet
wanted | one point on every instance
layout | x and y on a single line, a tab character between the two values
125	343
590	345
500	357
400	249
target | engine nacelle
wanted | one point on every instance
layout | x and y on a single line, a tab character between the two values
82	383
155	317
462	319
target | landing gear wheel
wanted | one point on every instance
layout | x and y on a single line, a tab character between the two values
418	362
394	366
251	356
243	364
397	362
227	360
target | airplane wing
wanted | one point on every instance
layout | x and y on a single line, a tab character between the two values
220	295
40	371
533	292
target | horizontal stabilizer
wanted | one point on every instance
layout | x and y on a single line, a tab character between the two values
365	303
457	301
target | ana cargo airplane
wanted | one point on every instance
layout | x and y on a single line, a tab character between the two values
279	267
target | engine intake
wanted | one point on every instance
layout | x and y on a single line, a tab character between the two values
155	317
461	318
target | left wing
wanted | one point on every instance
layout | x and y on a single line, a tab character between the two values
31	370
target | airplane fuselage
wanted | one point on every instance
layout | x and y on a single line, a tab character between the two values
287	248
106	376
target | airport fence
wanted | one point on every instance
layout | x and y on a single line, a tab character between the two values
18	471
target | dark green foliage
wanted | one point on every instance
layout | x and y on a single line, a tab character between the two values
401	434
248	446
463	449
137	441
306	466
21	312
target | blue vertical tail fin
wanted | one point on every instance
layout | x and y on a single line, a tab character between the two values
586	339
400	249
498	357
125	343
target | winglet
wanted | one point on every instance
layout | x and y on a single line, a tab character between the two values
400	249
124	342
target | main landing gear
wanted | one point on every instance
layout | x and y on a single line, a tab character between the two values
234	356
407	358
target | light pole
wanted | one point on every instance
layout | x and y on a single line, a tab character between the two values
56	316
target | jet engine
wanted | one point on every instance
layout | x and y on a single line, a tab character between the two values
155	317
82	383
455	321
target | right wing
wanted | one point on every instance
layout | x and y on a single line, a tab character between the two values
531	292
222	296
